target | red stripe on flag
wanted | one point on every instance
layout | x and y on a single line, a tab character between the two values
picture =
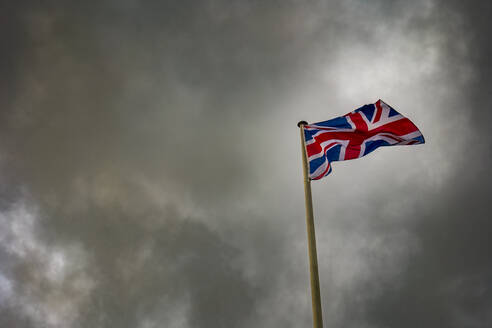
359	122
352	151
399	128
379	111
357	137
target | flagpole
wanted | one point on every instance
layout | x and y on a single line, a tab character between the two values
313	257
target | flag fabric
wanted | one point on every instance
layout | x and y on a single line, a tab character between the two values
356	134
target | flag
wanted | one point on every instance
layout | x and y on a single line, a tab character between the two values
356	134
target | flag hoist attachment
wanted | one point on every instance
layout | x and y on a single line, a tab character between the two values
313	257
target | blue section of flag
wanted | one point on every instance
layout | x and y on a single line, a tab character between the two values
368	110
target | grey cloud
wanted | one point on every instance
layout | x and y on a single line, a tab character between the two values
153	146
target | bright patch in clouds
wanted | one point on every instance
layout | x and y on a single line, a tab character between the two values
58	282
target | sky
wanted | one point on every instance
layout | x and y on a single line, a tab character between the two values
150	167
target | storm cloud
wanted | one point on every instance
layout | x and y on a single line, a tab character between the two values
150	164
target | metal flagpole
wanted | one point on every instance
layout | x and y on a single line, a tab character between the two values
313	257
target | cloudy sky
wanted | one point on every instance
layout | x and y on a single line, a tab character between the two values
150	169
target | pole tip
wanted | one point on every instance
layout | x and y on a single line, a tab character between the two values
301	123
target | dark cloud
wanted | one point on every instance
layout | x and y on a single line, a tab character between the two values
447	281
150	173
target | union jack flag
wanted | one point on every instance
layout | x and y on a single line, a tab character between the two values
356	134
